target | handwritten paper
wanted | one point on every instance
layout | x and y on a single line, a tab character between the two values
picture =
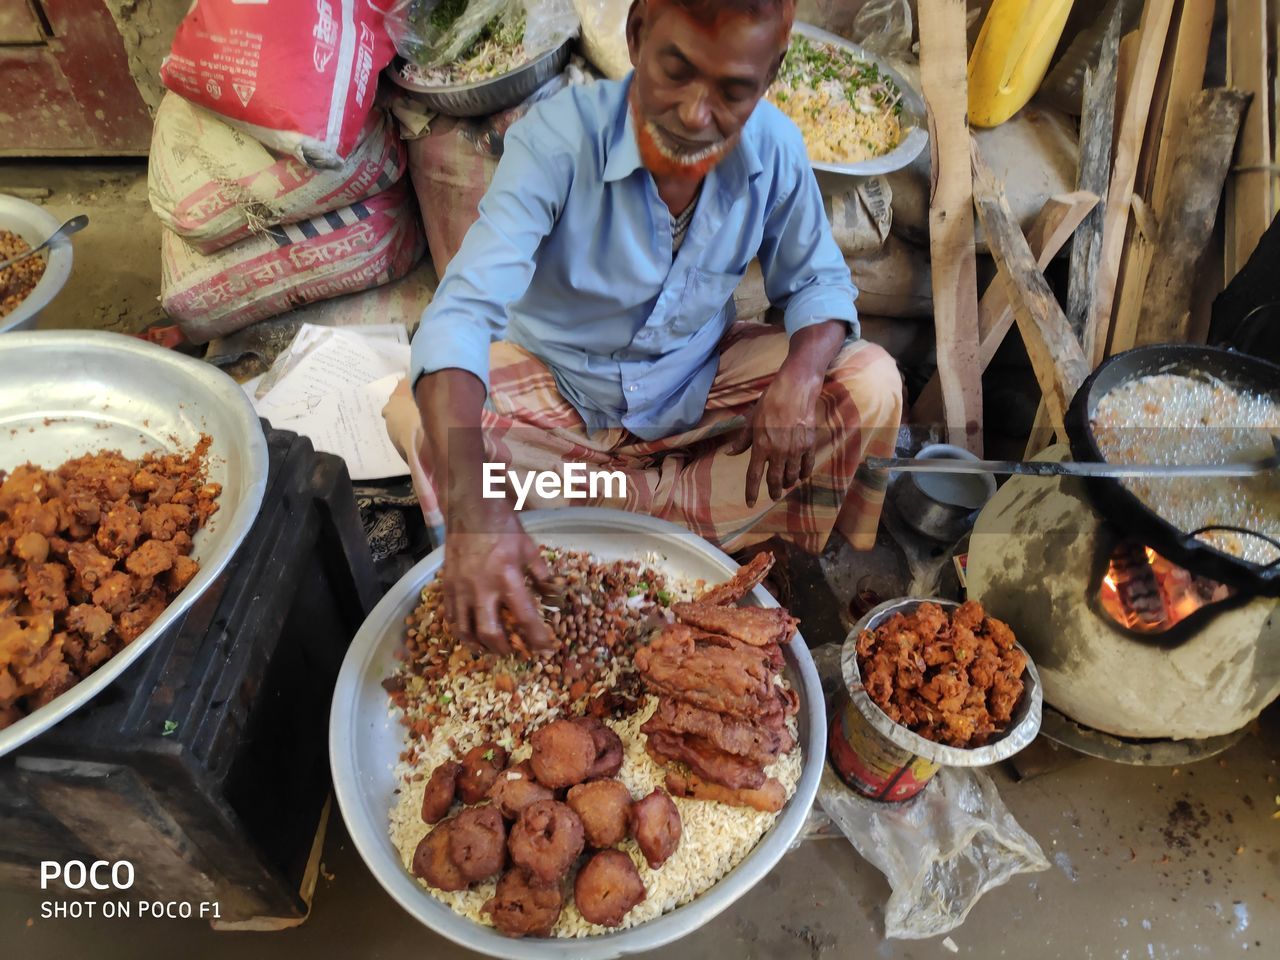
332	388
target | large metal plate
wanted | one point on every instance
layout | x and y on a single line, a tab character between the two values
64	393
914	126
365	740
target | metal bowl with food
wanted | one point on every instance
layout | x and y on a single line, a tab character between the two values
367	741
483	97
860	117
33	225
66	394
885	759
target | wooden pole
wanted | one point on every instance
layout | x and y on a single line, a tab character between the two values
1096	127
1249	199
1133	123
1195	184
1055	353
1049	233
1181	77
943	52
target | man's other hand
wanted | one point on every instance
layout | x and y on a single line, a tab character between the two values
780	432
486	556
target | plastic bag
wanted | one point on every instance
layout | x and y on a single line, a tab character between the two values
604	35
432	33
940	851
885	27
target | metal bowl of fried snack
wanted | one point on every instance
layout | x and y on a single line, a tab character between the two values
28	287
388	770
943	680
129	475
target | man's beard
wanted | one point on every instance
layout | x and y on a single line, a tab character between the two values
661	161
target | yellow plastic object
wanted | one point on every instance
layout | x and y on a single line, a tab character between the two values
1012	55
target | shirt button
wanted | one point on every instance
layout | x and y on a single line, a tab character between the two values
632	388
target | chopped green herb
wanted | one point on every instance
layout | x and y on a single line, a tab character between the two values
488	754
446	699
665	598
170	727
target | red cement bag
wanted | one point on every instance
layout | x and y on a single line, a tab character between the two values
297	75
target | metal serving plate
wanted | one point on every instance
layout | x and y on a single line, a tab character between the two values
485	97
1023	725
914	125
64	393
365	740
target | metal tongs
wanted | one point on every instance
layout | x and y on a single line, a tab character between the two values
1037	468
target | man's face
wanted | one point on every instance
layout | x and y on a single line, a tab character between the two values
695	85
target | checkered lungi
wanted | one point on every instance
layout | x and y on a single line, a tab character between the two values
689	478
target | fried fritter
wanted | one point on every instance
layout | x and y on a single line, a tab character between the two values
604	807
768	798
480	768
516	789
546	839
741	583
524	906
478	843
713	672
758	626
431	860
564	753
607	887
97	546
442	788
706	761
608	748
655	823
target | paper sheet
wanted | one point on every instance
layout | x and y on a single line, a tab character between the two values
332	389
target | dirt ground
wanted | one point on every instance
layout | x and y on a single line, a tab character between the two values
115	277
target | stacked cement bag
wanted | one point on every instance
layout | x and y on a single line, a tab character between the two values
263	209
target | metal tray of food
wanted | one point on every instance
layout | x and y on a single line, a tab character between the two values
1023	725
485	97
64	393
365	740
914	124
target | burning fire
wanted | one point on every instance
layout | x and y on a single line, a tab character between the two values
1147	593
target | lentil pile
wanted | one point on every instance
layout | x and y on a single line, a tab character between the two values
604	611
17	282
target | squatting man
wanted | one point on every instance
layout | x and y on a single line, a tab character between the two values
588	318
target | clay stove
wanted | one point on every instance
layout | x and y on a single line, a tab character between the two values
1126	642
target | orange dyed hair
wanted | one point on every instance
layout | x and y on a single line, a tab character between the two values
711	15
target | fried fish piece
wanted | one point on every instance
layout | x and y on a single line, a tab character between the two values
769	798
715	673
746	579
760	741
758	626
706	761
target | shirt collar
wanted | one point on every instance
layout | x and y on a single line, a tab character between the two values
735	170
624	151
